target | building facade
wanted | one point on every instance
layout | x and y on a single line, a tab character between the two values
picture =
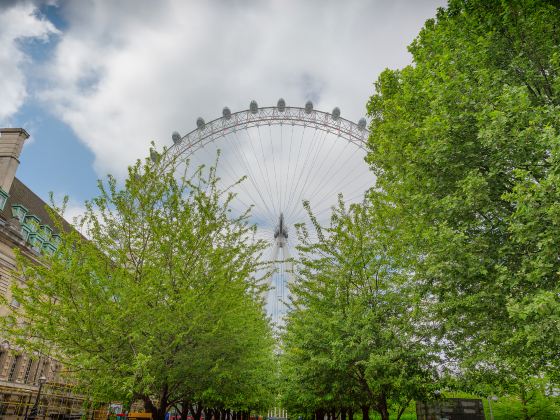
26	225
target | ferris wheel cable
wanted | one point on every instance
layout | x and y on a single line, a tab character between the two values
312	154
260	169
325	159
249	173
312	170
274	165
297	161
292	165
281	154
265	166
352	199
296	204
325	181
309	172
242	185
225	165
238	198
348	196
343	181
304	167
289	159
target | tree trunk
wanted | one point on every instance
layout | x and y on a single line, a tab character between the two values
365	412
382	407
343	413
157	413
524	408
319	414
150	407
196	412
402	410
184	410
350	413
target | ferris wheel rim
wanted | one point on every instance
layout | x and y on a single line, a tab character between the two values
222	126
226	129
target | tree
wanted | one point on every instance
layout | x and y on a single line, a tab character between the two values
464	145
160	303
351	342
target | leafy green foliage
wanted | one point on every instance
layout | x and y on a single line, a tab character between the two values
464	145
160	303
351	341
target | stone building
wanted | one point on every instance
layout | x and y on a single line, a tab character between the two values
26	225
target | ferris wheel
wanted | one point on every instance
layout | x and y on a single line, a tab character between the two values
288	155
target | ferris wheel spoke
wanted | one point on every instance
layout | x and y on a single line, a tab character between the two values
354	198
264	157
334	189
322	179
310	152
297	161
244	188
243	159
349	197
320	169
247	169
296	206
289	159
225	165
263	172
276	191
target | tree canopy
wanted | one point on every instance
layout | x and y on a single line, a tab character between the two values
160	303
465	145
352	342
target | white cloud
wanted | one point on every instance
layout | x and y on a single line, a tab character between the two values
125	73
128	72
18	22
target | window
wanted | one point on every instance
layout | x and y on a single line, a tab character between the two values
56	372
14	369
28	371
3	198
3	355
44	370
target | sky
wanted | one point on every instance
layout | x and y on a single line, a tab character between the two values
94	82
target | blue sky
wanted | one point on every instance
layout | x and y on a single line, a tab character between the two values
54	159
95	81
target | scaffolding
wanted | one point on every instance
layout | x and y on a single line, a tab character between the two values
57	401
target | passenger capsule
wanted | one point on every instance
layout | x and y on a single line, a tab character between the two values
176	137
336	113
308	107
226	112
281	105
253	107
362	124
200	123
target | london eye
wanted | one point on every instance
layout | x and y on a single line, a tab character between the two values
288	155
